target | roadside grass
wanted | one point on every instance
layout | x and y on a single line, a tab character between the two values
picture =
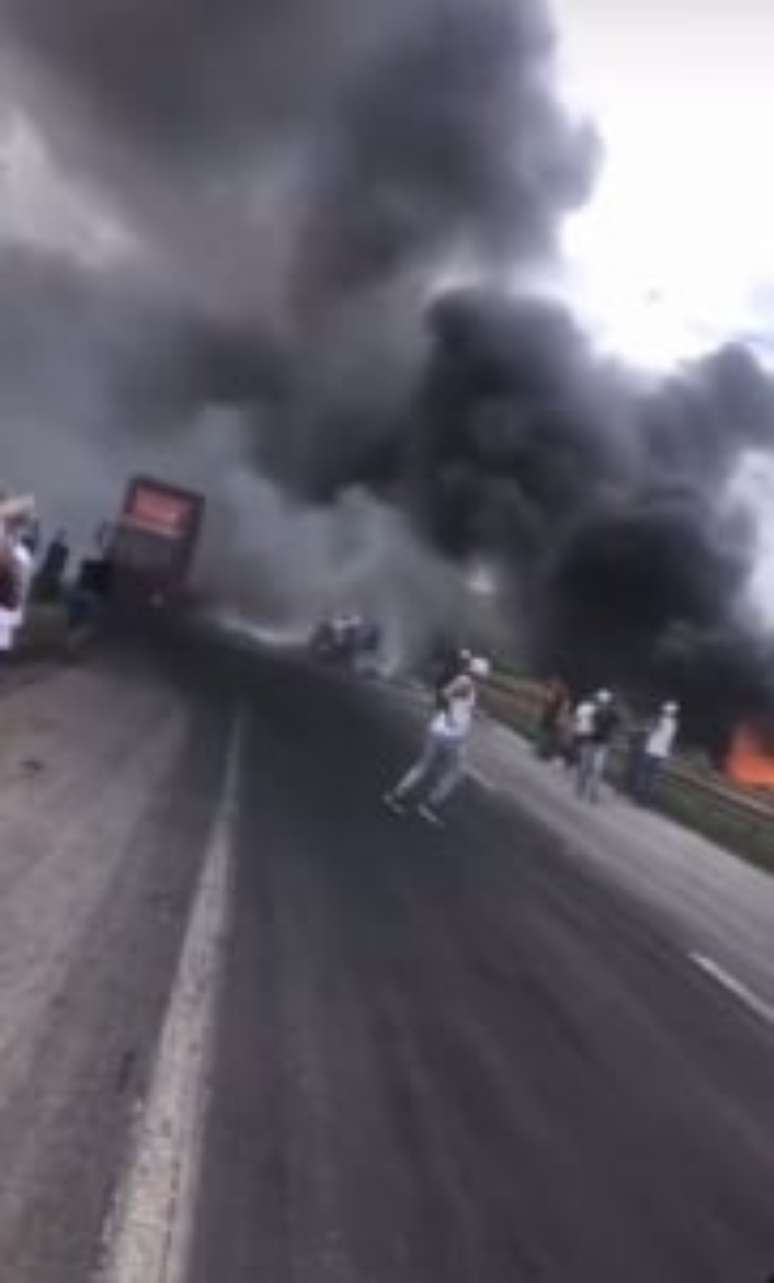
747	834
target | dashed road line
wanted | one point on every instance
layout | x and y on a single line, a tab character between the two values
148	1234
751	1000
481	779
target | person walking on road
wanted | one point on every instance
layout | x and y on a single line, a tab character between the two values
50	577
582	726
657	750
453	665
434	777
595	747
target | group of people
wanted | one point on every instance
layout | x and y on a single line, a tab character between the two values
583	735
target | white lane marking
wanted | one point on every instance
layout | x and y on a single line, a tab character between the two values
148	1233
481	779
740	991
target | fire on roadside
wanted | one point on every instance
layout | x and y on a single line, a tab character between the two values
750	762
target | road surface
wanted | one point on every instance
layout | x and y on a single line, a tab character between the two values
462	1055
482	1053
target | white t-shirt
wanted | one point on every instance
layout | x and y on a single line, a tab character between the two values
661	739
454	722
584	718
7	628
11	620
25	566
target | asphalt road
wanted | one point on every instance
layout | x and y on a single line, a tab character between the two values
467	1054
460	1055
108	775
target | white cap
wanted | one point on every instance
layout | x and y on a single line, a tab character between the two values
604	697
671	707
479	666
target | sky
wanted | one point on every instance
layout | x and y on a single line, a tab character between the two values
675	251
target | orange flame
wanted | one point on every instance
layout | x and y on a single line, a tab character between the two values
749	762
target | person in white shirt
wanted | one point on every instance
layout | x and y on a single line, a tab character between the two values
582	724
12	617
658	747
598	729
10	597
583	719
435	776
25	566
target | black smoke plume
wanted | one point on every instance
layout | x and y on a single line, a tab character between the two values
292	179
606	500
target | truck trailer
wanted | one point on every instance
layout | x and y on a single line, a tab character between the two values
151	547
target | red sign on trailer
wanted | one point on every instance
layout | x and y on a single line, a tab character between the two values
155	539
160	511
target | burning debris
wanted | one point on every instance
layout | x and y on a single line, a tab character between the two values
751	759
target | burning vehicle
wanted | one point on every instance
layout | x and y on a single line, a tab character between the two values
152	545
147	554
145	557
347	639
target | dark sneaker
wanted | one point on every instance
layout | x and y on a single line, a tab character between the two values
394	804
426	811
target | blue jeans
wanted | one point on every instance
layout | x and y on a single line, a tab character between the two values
591	770
439	769
646	778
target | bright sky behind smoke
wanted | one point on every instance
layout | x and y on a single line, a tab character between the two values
675	252
676	249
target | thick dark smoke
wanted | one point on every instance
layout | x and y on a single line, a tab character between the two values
292	179
610	500
604	501
396	131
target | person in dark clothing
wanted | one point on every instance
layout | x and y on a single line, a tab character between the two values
10	586
91	592
29	535
48	582
553	712
452	666
636	736
595	750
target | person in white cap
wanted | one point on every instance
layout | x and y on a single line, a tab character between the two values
658	748
434	777
582	727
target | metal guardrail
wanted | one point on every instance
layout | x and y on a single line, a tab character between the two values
722	794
